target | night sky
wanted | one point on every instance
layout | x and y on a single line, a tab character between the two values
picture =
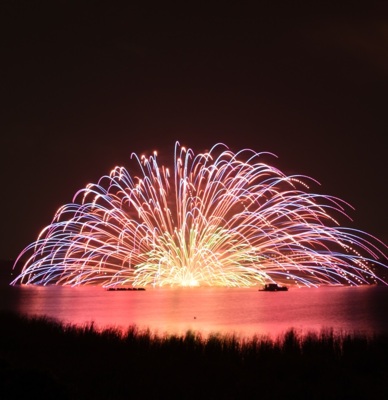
84	84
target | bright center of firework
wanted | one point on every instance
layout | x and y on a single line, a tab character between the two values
189	281
220	219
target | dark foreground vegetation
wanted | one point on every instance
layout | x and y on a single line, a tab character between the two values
43	359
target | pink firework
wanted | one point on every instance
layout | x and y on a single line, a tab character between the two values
215	219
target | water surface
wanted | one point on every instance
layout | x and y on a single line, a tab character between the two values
242	311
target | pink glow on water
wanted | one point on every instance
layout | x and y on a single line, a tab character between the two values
243	311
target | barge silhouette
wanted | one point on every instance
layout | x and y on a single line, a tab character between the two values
273	287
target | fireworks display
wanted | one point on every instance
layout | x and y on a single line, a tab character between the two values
215	219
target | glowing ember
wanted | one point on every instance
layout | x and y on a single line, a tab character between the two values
219	219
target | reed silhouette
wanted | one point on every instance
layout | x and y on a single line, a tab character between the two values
43	358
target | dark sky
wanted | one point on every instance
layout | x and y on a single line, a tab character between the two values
86	83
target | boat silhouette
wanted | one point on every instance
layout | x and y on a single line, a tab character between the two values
273	287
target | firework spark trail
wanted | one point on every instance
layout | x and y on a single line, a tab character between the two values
221	219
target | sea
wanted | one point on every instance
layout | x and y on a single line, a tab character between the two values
243	312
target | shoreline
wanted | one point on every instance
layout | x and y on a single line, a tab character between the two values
70	362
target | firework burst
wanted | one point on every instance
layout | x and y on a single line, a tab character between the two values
216	219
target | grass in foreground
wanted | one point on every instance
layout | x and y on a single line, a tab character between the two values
42	358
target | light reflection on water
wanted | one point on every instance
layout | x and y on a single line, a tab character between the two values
245	312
